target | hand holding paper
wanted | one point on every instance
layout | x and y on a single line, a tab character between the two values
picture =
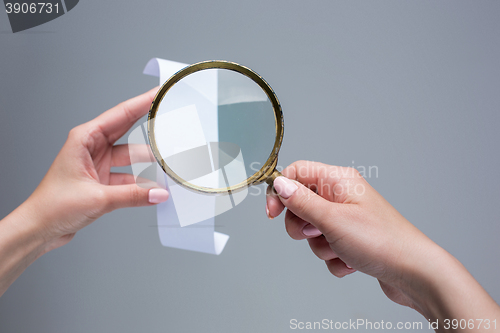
78	188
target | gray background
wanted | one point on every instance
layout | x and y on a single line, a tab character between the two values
411	87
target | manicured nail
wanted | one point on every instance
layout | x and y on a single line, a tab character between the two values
157	195
285	187
267	212
311	231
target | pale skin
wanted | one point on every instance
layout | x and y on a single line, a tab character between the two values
352	228
78	188
348	229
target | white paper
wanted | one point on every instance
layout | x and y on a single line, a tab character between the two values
180	130
186	220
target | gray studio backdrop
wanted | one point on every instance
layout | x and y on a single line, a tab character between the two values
410	87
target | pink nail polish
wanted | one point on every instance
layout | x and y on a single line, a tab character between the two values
285	187
311	231
157	195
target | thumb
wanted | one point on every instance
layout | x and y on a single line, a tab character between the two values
121	196
305	203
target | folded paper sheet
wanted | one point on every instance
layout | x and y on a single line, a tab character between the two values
186	221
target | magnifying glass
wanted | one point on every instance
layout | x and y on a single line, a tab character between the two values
216	127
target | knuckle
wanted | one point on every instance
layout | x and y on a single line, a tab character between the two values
297	169
353	173
335	172
135	196
325	255
290	171
84	134
330	267
317	248
321	255
99	201
126	109
299	163
291	229
333	267
74	132
335	273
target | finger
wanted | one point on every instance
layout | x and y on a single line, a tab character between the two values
123	155
321	248
274	206
121	196
329	181
117	121
116	178
338	268
306	204
297	228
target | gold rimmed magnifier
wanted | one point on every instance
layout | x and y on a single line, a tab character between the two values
216	127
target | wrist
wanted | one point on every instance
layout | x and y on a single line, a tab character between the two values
27	227
442	288
22	243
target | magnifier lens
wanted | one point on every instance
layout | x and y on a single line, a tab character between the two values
215	128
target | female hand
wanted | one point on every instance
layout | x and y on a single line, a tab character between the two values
352	227
78	188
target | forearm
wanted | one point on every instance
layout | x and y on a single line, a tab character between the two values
21	243
446	291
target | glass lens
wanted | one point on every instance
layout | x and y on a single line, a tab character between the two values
215	128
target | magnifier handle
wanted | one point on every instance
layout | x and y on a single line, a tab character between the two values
272	177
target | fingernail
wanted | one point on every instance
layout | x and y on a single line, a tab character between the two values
348	266
157	195
311	231
285	187
267	212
